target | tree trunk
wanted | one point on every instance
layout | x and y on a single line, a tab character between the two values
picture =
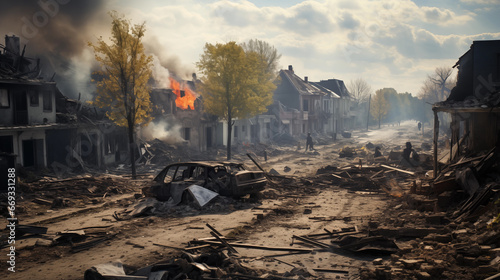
131	146
229	130
379	119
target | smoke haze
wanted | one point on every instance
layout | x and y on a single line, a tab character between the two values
163	131
57	32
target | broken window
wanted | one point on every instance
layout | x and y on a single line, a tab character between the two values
182	173
305	105
109	144
198	173
47	101
7	144
187	133
33	96
170	174
4	98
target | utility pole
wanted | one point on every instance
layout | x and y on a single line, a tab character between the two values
368	114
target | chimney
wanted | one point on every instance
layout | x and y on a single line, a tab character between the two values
290	68
306	79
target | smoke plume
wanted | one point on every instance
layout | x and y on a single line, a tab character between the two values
167	60
57	32
163	131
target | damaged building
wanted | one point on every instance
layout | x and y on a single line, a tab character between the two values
305	106
473	104
40	127
180	106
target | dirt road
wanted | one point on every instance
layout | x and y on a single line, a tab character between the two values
285	212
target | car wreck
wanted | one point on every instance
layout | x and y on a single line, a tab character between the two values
176	180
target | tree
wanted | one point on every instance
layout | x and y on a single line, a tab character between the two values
125	71
235	83
266	52
437	86
359	89
379	106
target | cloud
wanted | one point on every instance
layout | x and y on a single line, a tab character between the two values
482	2
443	16
348	21
324	38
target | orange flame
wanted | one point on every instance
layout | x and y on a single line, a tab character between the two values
183	102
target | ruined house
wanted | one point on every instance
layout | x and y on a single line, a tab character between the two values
473	104
343	118
305	106
40	127
182	109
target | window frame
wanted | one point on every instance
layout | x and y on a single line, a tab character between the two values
6	91
31	95
48	94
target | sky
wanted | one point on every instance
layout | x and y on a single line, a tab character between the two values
388	43
393	43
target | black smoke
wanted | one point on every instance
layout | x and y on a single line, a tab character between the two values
57	32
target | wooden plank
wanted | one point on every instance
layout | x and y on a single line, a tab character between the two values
214	230
313	242
229	247
31	229
376	174
251	246
397	169
331	270
42	201
167	246
435	142
124	277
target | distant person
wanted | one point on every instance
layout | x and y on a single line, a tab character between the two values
419	126
377	152
309	142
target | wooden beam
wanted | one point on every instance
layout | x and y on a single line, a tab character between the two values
435	142
397	169
251	246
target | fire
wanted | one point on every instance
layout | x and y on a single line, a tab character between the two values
186	101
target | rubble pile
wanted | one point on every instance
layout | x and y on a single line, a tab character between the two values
445	228
47	192
214	257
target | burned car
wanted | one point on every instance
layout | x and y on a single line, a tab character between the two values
224	178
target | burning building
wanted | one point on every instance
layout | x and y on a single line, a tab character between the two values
181	108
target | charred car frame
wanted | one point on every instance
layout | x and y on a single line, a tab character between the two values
224	178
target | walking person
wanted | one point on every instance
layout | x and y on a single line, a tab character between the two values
309	142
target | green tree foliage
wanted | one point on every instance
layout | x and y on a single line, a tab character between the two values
235	83
379	106
125	71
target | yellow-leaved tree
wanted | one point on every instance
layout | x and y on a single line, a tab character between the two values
379	106
122	86
235	83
